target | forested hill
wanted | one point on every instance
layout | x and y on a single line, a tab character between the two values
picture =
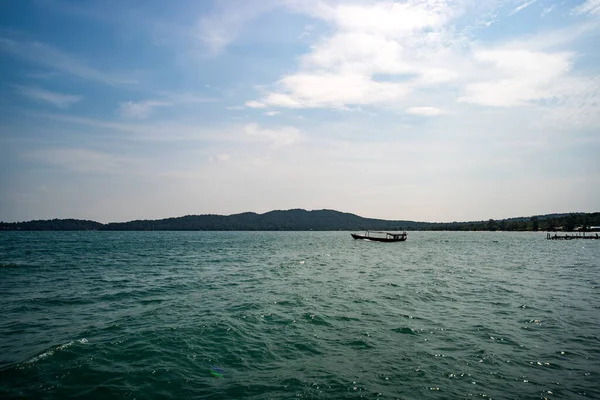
289	220
302	220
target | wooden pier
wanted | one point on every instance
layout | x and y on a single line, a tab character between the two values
574	235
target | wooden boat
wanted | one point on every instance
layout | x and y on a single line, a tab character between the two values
378	237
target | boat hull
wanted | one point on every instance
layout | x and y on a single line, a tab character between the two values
379	239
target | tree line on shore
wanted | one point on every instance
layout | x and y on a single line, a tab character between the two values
318	220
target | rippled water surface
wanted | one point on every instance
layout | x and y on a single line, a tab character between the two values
278	315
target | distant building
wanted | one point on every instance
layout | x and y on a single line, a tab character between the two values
588	229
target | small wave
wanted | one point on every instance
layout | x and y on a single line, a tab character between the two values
48	353
307	348
151	301
345	318
359	344
409	316
531	321
286	303
315	319
364	301
405	331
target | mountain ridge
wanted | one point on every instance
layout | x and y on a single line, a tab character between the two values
298	219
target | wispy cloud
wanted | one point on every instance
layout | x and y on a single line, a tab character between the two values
141	131
548	10
588	7
223	25
271	113
179	98
59	100
521	7
306	32
172	131
42	75
255	104
51	57
140	110
143	109
81	160
522	76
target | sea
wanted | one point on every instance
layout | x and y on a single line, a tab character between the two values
298	315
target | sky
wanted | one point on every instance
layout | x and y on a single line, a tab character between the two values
427	110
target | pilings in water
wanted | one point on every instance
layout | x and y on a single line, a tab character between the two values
556	236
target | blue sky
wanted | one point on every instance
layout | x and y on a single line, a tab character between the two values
433	110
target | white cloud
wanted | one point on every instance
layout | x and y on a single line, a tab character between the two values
359	52
340	90
386	18
333	91
589	7
271	113
59	100
376	55
424	111
521	7
389	18
140	110
385	53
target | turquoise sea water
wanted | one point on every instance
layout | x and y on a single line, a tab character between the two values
281	315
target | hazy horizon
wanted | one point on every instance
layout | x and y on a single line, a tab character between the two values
421	110
341	211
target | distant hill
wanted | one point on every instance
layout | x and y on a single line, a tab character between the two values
289	220
303	220
53	225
